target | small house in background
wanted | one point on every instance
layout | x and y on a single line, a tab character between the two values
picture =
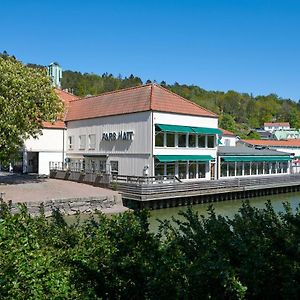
55	73
228	138
272	126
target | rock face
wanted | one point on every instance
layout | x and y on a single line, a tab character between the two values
72	206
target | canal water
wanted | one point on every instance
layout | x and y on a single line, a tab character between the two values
226	208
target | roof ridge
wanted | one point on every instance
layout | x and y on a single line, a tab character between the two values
116	91
191	102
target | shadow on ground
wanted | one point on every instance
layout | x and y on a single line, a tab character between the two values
14	178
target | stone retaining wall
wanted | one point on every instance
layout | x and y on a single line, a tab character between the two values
72	206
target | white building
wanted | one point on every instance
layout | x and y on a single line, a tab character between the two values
228	138
49	146
272	126
145	130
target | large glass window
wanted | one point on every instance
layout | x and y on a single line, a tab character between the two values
201	141
260	167
192	169
239	168
247	168
159	139
279	167
181	140
253	168
231	168
224	167
210	141
285	167
267	167
182	170
170	169
201	170
192	140
159	169
170	139
273	167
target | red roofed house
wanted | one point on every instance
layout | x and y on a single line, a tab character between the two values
228	138
272	126
50	145
145	130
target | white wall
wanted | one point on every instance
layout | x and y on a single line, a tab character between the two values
45	158
228	141
139	123
49	140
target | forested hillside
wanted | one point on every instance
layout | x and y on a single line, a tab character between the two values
239	112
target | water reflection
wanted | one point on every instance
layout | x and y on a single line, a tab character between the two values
226	208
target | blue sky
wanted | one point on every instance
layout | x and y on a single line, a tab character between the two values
251	46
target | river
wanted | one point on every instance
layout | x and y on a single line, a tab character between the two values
226	208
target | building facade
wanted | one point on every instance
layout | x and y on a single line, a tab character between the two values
143	131
50	145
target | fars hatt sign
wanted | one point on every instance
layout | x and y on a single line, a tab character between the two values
121	135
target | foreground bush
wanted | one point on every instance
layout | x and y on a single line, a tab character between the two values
254	255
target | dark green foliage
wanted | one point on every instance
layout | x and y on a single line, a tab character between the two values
245	111
255	255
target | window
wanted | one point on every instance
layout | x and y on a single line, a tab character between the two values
181	140
267	168
246	168
170	139
201	141
231	168
102	166
210	141
82	142
239	168
171	169
159	139
192	169
260	167
224	166
273	167
285	167
182	170
253	168
160	169
70	142
92	141
192	140
227	142
114	167
201	170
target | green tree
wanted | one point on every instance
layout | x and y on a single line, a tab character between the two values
26	100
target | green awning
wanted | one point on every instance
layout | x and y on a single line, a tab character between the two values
171	158
206	130
185	129
174	128
255	158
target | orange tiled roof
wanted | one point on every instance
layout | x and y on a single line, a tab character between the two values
277	124
66	98
227	132
131	100
274	143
